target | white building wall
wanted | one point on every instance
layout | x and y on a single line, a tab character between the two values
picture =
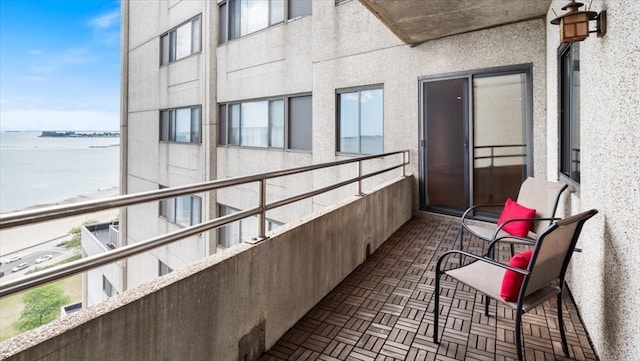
275	61
93	292
347	46
151	163
603	277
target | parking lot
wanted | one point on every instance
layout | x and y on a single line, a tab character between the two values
39	256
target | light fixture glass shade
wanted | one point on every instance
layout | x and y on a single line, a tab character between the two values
574	27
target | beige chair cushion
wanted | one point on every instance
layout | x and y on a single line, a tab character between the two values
487	279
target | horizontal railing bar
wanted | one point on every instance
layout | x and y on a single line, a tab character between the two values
285	172
315	192
499	146
89	263
56	212
500	156
63	211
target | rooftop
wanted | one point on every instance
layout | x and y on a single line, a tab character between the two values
105	233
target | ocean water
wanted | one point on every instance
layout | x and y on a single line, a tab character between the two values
37	171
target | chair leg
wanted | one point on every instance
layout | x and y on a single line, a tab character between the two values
492	253
461	242
565	347
436	307
487	302
519	341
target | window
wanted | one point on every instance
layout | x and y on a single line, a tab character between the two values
569	62
163	269
299	8
107	287
183	210
360	121
242	17
300	123
180	42
263	123
222	23
180	125
236	232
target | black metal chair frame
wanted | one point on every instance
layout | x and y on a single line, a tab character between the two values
579	218
471	210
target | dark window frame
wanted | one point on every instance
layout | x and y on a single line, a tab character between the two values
569	114
524	68
168	209
360	89
225	124
226	11
171	38
168	125
297	121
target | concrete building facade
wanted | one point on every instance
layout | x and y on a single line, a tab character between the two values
213	90
101	283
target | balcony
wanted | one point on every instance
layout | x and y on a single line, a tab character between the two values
384	311
353	281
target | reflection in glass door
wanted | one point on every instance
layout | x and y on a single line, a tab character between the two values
446	113
499	148
475	140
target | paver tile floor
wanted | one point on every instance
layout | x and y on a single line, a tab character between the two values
384	311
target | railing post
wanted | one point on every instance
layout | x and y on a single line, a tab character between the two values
262	216
492	156
359	178
404	164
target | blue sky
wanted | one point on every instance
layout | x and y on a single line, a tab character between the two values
59	64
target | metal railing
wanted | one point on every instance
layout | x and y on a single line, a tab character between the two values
91	262
492	156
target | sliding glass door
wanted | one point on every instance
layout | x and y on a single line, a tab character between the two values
476	139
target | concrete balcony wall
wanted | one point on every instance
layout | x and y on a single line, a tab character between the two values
204	311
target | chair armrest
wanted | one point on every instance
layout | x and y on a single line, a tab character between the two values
477	258
495	241
473	208
500	226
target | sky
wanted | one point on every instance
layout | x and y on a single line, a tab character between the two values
59	65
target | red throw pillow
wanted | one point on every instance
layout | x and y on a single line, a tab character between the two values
512	281
514	210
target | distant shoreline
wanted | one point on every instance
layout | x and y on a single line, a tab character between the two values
19	238
40	131
98	194
74	134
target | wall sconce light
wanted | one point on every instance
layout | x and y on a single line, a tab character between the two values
574	24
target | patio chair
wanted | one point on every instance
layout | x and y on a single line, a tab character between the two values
538	194
542	279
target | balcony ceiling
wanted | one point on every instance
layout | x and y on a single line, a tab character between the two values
416	21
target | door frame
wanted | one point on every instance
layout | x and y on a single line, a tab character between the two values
527	70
